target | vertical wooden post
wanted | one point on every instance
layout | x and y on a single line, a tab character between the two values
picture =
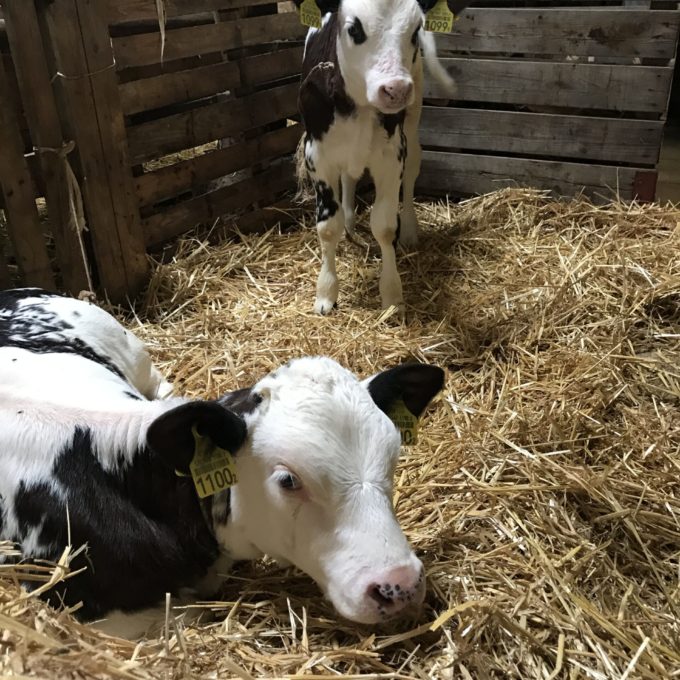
86	74
40	107
23	222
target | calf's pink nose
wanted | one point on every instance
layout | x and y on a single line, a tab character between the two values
396	93
396	589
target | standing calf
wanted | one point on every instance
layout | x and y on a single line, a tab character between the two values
89	456
360	101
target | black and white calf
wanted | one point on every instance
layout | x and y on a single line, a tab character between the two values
360	101
89	455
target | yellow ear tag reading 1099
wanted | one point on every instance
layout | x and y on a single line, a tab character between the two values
310	14
405	421
212	468
440	18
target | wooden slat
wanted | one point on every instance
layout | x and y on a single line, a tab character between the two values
602	139
23	223
465	174
172	180
5	276
82	46
41	110
138	50
184	86
134	10
205	209
539	83
578	31
202	125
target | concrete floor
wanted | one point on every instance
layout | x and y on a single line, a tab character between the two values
668	184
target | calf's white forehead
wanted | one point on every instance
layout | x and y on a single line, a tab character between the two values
395	15
319	410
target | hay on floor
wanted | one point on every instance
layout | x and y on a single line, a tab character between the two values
543	495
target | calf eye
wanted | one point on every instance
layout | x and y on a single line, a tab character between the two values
357	33
288	481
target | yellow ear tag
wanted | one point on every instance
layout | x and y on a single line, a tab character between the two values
440	18
405	421
212	468
310	14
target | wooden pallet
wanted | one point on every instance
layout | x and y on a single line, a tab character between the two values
565	99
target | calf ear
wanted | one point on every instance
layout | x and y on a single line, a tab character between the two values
170	436
415	384
324	5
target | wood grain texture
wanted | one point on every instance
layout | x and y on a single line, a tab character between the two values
582	137
202	125
568	85
145	48
133	10
23	222
597	32
467	174
41	111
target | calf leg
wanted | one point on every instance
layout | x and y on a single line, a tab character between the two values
384	226
408	236
349	186
329	226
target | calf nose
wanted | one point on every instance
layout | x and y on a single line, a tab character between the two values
397	589
396	93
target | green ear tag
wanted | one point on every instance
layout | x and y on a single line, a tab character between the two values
440	18
310	14
405	421
212	468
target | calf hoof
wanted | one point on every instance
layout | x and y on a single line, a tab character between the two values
399	307
324	306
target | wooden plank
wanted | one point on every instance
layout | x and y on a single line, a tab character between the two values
41	111
82	46
192	84
23	222
145	48
579	31
584	137
134	10
568	85
465	174
202	125
205	209
172	180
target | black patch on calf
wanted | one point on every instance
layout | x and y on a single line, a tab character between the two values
390	121
322	93
326	205
36	328
143	525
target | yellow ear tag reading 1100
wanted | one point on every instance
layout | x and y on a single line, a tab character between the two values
405	421
310	14
440	18
212	468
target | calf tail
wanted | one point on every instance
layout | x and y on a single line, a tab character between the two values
434	66
305	188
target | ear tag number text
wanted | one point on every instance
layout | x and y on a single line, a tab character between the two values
212	468
310	14
405	421
440	18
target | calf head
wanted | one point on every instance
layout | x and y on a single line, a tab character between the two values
377	44
315	482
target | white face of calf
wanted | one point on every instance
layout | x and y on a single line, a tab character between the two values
315	483
377	51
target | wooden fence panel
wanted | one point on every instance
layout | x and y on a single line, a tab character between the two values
617	33
569	85
23	222
145	48
83	54
41	110
617	140
136	10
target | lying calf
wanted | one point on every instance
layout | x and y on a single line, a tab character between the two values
87	455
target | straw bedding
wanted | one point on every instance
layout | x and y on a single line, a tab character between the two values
543	494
